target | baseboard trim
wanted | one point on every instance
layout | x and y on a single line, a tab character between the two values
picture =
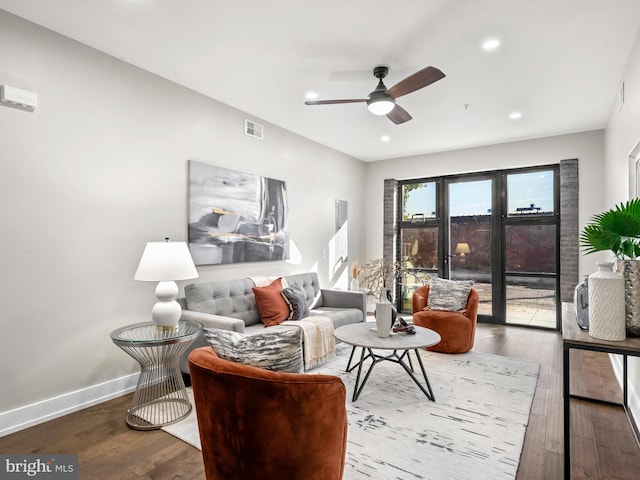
12	421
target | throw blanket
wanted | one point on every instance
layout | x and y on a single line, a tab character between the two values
319	342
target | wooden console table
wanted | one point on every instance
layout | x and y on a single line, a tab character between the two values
574	337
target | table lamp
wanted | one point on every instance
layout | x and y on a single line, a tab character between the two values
462	249
164	262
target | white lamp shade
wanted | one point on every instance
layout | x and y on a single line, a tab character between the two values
166	261
463	248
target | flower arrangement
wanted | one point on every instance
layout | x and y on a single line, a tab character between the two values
378	276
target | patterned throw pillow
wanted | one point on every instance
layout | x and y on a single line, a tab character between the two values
297	301
448	294
279	350
271	306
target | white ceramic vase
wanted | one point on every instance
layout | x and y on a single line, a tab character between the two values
383	316
383	319
606	304
355	285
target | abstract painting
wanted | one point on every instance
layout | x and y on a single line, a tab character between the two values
235	216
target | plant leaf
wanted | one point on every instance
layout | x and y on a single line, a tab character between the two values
595	239
617	230
620	223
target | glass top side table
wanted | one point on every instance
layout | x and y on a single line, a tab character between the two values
160	397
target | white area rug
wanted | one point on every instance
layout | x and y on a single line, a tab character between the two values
473	431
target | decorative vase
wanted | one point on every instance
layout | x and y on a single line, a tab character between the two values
606	304
383	315
355	285
581	303
631	274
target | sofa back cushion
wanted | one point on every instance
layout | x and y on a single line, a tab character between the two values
309	283
235	298
232	298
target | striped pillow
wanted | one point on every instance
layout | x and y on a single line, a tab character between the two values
278	350
448	294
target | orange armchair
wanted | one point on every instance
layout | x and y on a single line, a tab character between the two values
457	329
257	424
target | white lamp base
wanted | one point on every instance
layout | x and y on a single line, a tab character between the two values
166	311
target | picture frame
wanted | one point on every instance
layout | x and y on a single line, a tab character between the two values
235	216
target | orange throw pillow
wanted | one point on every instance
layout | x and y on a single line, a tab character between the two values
271	306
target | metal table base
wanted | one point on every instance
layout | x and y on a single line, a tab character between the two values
160	398
392	357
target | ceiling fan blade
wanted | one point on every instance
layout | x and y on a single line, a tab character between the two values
418	80
332	102
399	115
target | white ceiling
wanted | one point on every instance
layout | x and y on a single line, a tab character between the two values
560	62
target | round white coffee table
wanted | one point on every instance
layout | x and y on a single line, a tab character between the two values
363	335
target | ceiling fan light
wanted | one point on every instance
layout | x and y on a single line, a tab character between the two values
380	105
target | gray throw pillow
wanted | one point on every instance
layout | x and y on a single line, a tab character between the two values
448	294
278	350
296	299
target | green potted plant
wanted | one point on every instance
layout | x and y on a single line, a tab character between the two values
618	230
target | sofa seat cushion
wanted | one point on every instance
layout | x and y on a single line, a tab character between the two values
275	349
339	316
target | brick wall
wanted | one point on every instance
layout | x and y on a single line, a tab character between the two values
569	250
389	229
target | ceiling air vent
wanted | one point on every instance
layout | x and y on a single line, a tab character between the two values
253	129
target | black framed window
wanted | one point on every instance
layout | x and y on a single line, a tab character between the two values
419	235
509	245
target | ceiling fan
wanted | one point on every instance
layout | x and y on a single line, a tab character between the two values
382	101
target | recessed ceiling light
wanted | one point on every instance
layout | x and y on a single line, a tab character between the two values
311	95
515	115
490	44
385	138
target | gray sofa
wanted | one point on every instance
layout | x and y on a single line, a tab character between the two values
231	305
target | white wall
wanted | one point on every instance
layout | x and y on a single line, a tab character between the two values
587	147
100	169
621	136
622	133
97	171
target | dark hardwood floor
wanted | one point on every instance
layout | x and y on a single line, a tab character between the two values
603	446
